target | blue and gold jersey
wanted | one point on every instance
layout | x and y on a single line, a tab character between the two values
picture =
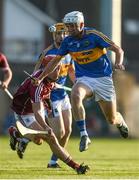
66	62
88	53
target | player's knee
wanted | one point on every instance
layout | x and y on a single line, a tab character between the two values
68	131
76	97
60	134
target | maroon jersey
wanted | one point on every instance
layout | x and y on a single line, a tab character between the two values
29	93
3	62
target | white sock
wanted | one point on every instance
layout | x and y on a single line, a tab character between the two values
83	133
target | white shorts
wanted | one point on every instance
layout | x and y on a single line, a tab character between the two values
27	120
102	87
60	105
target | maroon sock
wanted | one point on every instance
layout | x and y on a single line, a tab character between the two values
72	163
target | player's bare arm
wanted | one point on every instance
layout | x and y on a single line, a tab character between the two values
37	109
7	78
119	56
6	71
55	74
48	69
71	73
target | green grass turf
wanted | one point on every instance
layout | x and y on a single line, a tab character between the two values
107	158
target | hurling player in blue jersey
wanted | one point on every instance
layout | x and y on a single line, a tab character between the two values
61	123
88	48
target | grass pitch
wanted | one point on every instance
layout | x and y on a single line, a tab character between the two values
107	158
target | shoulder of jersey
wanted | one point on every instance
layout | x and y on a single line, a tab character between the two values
90	31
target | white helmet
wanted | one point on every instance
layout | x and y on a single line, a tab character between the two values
74	17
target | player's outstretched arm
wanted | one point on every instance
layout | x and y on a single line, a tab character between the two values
48	69
119	56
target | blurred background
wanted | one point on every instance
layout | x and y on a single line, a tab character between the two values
24	34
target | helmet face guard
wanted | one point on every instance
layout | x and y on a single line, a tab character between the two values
59	27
